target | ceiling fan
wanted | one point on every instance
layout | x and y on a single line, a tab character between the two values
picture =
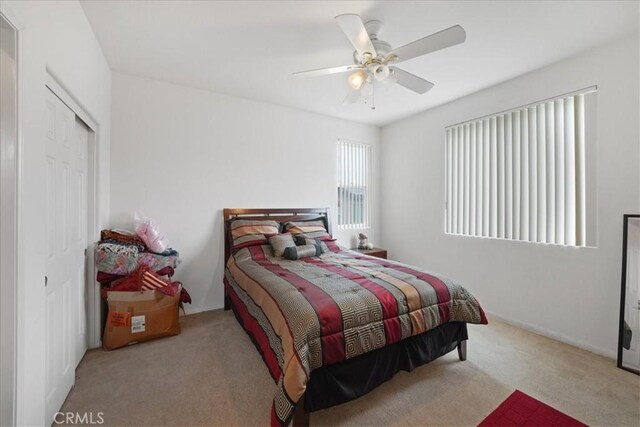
374	59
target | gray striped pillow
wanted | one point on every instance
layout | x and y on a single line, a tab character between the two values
312	229
246	232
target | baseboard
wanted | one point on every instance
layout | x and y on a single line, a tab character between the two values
554	335
209	307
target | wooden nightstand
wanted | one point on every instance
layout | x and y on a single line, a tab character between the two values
376	252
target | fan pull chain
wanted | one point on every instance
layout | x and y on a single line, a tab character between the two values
373	96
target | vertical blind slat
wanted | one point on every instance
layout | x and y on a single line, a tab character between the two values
467	180
569	165
454	181
524	175
508	156
360	218
478	190
485	177
551	172
501	172
354	162
354	193
345	190
460	144
360	175
349	176
339	179
354	176
448	183
344	183
542	175
352	172
473	178
357	183
369	195
516	174
533	174
493	212
581	194
559	166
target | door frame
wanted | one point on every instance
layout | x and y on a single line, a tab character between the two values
9	277
94	306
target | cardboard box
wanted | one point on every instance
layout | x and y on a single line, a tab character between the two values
134	317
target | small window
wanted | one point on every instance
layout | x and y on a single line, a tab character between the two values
525	174
354	182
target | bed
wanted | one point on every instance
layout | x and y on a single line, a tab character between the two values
333	326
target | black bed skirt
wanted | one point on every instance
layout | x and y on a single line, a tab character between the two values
335	384
339	383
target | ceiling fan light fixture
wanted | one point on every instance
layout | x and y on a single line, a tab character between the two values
393	77
356	79
381	72
390	81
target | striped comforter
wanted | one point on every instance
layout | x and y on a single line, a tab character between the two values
322	310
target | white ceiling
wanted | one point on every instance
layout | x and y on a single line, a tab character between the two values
250	49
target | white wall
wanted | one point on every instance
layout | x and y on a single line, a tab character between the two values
568	293
54	36
180	155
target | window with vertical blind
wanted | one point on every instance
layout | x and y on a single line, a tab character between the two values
525	174
354	182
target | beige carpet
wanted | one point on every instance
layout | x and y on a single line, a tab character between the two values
212	375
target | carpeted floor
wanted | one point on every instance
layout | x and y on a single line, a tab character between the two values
212	375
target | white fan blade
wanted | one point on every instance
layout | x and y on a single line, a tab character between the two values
327	71
352	97
443	39
355	31
411	81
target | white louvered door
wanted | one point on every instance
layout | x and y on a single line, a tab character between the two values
66	213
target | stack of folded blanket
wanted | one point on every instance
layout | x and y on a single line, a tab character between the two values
119	254
122	256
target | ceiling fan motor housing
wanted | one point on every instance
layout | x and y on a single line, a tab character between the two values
382	47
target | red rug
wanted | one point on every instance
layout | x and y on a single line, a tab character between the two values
520	409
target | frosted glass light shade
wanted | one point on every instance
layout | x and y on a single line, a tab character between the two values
356	79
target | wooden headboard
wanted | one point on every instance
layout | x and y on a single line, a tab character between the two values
280	215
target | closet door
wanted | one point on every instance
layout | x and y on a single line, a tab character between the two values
66	213
79	239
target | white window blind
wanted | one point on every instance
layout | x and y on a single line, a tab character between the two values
522	174
354	174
